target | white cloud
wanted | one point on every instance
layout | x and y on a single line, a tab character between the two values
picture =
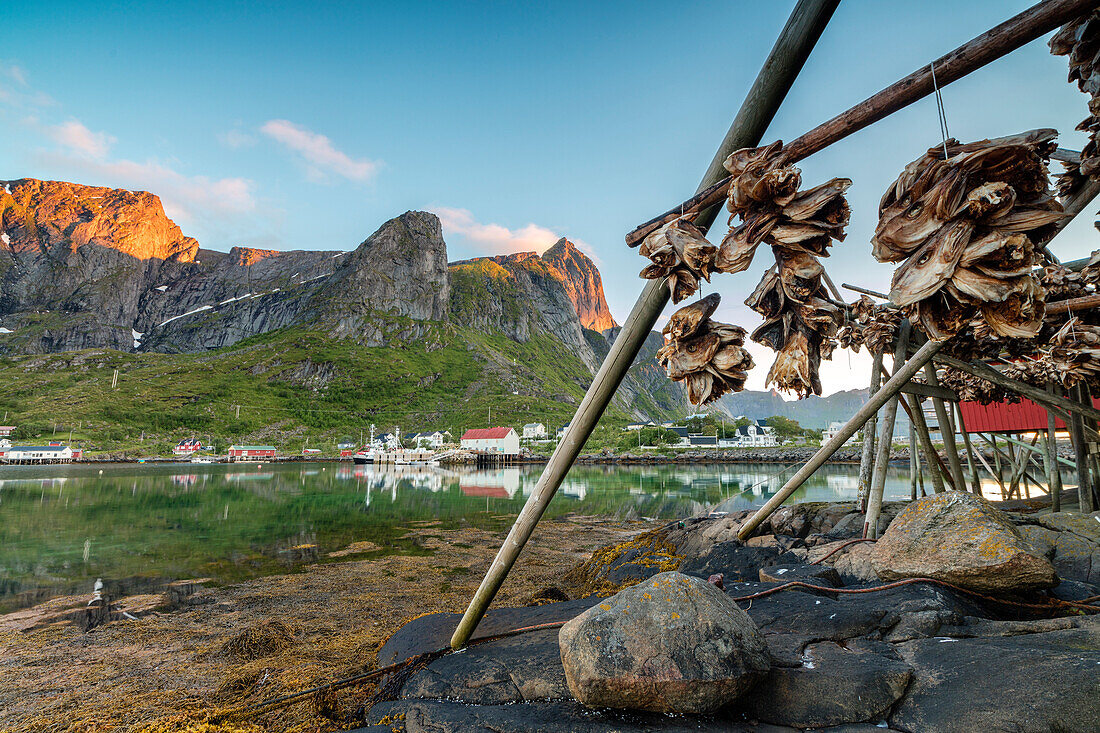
497	239
235	139
185	198
15	72
75	136
319	152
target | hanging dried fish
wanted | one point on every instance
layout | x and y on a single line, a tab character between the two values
706	355
964	223
680	252
800	321
1074	355
974	389
1080	40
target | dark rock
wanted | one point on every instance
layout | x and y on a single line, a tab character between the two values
517	669
1034	683
962	539
1073	590
423	716
832	686
671	644
736	562
432	632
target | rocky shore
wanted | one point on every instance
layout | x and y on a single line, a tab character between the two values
683	628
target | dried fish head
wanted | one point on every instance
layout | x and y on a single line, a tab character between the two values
941	316
822	205
682	284
792	371
981	288
736	252
1020	315
739	161
932	265
727	333
999	254
819	316
799	274
696	252
700	387
909	223
768	298
732	358
690	319
990	200
680	358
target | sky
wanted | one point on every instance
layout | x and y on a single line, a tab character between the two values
307	125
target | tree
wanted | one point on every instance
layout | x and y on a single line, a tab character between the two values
784	427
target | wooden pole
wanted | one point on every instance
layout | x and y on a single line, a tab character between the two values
916	419
1081	456
869	437
913	463
791	49
892	387
885	443
975	481
971	56
947	432
1052	453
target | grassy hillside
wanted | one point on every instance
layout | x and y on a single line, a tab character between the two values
292	386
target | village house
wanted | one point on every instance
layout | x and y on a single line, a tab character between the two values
754	435
6	430
534	431
250	452
38	454
433	440
834	427
491	440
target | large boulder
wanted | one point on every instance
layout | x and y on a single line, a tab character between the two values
672	644
962	539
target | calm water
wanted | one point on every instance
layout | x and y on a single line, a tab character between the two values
136	526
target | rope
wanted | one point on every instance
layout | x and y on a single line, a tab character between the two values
941	114
422	660
835	550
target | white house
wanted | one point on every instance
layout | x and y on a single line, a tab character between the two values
562	429
752	435
433	440
491	440
830	432
534	431
38	454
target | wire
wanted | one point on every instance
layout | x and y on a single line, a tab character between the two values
941	114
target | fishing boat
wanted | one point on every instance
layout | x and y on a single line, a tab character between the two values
367	455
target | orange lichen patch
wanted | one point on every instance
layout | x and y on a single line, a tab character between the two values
649	550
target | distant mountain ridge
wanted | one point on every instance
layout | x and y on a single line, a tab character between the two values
90	267
812	412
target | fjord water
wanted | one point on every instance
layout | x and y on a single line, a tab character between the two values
138	525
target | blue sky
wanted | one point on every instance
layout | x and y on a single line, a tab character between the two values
305	126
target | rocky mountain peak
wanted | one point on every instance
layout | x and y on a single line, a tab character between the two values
247	256
582	282
49	217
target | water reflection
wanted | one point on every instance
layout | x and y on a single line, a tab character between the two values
63	526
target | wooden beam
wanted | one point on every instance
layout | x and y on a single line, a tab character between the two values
791	49
868	453
936	469
921	389
892	387
947	431
971	56
1084	303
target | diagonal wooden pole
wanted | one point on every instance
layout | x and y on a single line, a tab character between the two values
892	388
791	49
885	443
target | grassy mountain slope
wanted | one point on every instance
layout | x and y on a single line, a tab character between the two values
292	385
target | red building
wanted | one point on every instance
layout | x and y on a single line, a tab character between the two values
251	452
1000	417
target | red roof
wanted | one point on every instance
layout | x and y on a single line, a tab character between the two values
486	433
1000	417
491	491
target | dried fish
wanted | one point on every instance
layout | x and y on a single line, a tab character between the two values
964	225
680	252
707	356
1061	283
1080	40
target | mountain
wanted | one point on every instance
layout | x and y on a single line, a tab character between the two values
86	267
811	412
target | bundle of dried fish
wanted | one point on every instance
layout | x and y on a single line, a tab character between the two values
764	194
706	355
1074	355
975	389
850	336
964	222
1080	40
1061	283
882	330
1090	273
680	252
